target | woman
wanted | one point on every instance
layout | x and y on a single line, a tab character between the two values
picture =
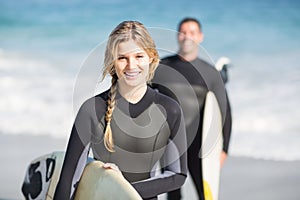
130	127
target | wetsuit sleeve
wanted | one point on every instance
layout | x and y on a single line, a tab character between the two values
76	155
222	98
173	163
227	127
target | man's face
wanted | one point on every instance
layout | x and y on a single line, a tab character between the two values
189	37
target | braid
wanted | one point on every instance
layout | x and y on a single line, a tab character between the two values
108	139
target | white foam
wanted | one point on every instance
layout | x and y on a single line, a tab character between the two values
37	97
271	147
265	110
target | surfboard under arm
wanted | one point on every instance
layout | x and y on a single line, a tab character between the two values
43	173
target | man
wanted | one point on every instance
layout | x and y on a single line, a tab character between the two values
187	79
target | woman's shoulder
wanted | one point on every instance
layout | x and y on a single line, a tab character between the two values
169	107
167	102
95	102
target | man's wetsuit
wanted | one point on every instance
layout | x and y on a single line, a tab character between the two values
145	133
188	83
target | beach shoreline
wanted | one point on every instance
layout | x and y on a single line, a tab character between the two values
241	177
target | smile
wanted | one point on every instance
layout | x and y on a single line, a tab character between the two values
131	74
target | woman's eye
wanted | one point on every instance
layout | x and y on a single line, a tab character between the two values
140	56
121	58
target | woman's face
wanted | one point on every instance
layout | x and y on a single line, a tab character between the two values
132	64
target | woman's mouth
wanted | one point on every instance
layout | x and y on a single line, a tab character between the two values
131	74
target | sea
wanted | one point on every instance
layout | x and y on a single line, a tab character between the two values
46	47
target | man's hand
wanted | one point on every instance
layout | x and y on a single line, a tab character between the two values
223	158
113	167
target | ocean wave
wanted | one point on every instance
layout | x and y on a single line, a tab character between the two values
38	100
277	147
265	97
36	95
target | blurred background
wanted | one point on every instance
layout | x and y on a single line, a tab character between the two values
43	44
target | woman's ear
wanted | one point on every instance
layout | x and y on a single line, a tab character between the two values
150	60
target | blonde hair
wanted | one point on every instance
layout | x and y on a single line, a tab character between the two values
125	31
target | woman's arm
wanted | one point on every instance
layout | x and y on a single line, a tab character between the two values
76	155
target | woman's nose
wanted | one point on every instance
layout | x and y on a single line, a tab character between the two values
131	63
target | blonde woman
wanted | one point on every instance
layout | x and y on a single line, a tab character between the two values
130	127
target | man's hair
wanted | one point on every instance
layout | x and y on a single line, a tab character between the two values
189	19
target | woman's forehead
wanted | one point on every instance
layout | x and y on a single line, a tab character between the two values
129	47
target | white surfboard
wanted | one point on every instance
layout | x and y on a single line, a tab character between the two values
98	183
211	147
42	176
43	173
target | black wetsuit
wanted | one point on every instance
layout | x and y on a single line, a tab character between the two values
188	83
145	133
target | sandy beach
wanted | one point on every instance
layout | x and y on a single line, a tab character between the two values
245	179
241	178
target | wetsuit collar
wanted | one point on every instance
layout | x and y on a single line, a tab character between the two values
137	108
